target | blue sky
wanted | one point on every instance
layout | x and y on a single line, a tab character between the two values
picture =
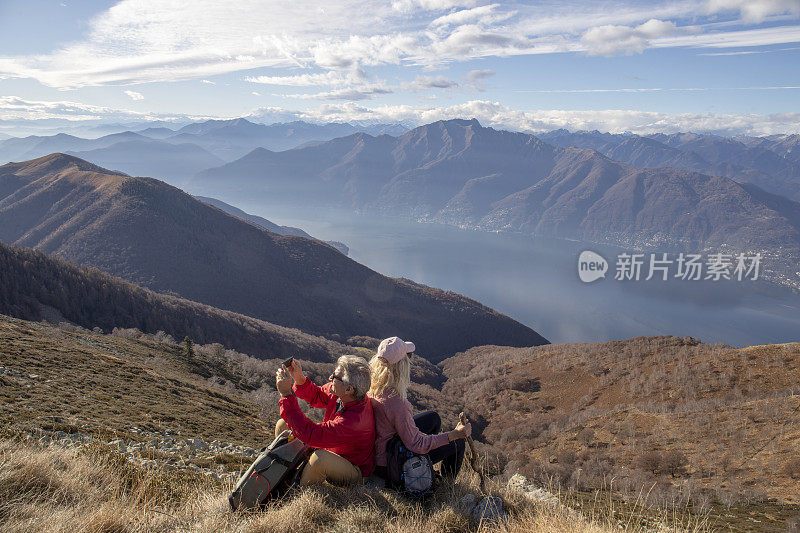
728	66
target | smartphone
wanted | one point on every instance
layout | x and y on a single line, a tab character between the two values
288	362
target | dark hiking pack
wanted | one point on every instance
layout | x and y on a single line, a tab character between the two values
272	474
409	472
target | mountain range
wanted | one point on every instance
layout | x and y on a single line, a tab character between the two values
157	236
175	156
458	172
772	163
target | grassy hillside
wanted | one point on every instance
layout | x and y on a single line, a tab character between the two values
575	417
691	422
35	286
134	433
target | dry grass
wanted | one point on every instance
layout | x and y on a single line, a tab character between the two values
94	489
703	422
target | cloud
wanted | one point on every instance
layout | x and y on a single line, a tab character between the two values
330	78
362	92
748	52
138	41
500	116
408	6
134	95
476	78
734	39
254	93
471	40
475	75
422	83
481	14
662	89
755	11
18	108
489	113
609	40
208	82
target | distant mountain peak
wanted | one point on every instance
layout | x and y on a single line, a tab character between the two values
59	162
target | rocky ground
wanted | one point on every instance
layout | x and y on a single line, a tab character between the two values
166	449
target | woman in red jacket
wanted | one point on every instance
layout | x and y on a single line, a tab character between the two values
345	439
391	375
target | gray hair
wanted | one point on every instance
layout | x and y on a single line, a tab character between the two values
356	373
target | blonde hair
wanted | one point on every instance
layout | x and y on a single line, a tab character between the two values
394	378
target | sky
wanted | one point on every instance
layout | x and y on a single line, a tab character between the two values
724	66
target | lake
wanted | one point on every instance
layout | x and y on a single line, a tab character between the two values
535	281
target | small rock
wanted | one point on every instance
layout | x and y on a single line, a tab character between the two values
467	502
489	508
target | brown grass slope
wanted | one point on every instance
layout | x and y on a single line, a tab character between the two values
94	490
67	381
33	284
692	420
149	381
153	234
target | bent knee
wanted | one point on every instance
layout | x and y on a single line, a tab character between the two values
280	426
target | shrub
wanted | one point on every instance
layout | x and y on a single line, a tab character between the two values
586	436
650	461
792	467
674	463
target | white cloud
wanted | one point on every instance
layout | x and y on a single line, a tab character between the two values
748	52
481	14
663	89
18	108
407	6
609	40
254	93
733	39
208	82
494	114
499	116
756	10
134	95
330	78
422	83
138	41
362	92
476	79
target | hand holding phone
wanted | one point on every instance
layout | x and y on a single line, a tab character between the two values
295	370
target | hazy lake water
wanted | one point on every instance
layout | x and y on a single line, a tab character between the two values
535	281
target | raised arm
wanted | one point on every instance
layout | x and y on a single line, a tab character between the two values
315	395
334	432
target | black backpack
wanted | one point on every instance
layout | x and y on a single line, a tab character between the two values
409	472
272	474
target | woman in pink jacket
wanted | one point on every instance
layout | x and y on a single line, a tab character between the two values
391	375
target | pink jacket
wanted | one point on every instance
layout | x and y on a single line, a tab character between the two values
393	416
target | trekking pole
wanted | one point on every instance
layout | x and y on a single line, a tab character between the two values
473	459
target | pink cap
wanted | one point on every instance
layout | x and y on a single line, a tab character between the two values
394	349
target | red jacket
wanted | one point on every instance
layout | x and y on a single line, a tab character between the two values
349	432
